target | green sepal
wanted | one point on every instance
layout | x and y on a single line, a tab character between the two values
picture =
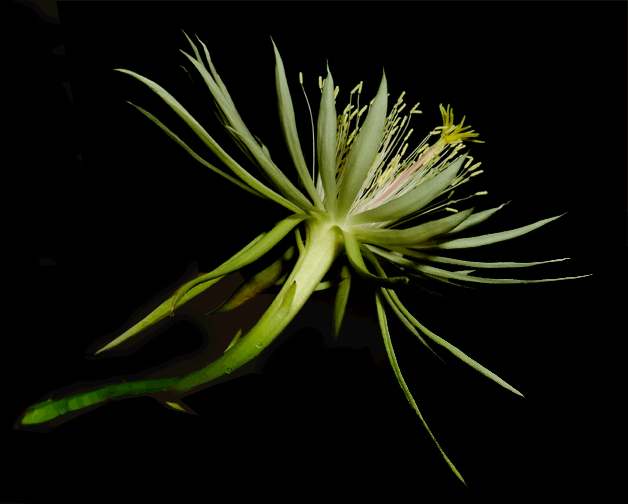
163	309
235	181
289	128
381	315
234	340
477	218
257	284
477	241
462	356
211	143
268	241
402	261
340	301
463	275
386	292
352	246
326	127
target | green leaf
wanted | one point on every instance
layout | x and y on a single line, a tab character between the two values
381	315
289	128
413	200
364	151
411	236
326	143
477	241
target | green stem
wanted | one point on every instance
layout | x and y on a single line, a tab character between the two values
323	245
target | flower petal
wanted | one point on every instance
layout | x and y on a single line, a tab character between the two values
352	248
413	236
477	241
430	270
289	128
326	143
278	178
413	200
364	151
458	262
340	301
477	218
211	143
381	315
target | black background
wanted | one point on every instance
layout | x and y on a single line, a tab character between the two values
103	212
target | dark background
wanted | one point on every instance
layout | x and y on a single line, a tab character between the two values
103	212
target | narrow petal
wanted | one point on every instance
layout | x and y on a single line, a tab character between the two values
477	241
413	236
268	241
476	219
340	301
352	248
364	151
429	270
279	179
196	156
289	128
449	260
257	284
326	143
211	143
381	315
413	200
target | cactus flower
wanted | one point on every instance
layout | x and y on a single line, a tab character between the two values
365	182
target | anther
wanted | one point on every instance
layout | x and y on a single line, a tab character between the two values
301	77
481	193
476	173
451	210
475	166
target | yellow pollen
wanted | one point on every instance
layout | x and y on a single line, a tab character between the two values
475	166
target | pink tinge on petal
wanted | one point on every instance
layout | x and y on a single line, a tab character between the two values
409	171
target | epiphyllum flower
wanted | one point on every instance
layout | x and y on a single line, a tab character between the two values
366	185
